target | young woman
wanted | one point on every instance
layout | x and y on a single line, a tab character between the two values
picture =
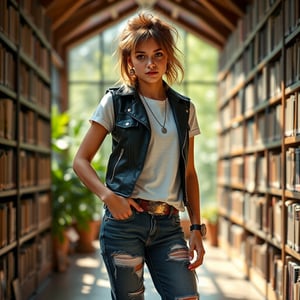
150	173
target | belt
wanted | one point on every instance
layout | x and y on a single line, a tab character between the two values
157	208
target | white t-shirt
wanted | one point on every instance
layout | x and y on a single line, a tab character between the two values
160	178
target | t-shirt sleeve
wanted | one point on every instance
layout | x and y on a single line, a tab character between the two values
193	122
104	113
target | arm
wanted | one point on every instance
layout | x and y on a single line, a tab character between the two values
118	206
193	193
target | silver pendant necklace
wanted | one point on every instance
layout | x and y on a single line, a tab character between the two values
163	126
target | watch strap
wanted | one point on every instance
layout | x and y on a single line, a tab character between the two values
196	227
200	227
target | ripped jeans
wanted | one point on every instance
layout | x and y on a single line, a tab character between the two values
157	241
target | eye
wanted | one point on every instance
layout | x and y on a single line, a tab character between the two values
140	57
159	54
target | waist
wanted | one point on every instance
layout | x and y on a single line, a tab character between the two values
157	208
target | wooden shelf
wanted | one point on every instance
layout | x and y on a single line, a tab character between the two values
25	154
259	103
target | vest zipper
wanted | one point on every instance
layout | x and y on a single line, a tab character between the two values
117	162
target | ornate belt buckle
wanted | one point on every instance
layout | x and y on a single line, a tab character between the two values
157	208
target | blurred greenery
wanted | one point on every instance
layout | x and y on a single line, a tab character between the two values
61	207
72	201
92	71
210	214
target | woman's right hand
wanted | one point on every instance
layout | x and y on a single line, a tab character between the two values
121	207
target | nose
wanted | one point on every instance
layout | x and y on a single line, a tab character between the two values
150	62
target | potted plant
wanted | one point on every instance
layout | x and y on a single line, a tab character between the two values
210	218
61	219
86	213
86	206
73	203
61	206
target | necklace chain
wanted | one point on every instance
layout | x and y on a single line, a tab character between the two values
163	126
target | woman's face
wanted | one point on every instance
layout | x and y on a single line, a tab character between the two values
149	61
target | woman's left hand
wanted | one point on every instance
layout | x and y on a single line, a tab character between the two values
196	247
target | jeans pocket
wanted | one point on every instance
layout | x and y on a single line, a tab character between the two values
109	217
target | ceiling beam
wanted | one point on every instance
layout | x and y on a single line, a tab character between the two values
201	34
62	11
97	23
210	20
196	20
87	16
232	5
218	14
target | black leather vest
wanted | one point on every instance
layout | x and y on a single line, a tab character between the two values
131	137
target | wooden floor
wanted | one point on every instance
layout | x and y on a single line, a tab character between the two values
86	279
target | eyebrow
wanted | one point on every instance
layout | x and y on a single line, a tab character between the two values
140	51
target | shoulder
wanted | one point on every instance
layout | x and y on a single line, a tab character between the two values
123	90
172	94
121	97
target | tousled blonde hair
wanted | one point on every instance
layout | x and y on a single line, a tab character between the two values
141	28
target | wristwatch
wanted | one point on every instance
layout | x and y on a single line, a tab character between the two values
201	227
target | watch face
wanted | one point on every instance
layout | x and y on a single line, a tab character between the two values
203	229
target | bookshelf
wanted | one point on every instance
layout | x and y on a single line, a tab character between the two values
25	149
259	147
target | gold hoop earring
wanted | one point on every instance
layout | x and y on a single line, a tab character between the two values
132	71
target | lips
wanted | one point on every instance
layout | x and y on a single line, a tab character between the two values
151	73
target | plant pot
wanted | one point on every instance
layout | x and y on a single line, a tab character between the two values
97	229
61	248
87	236
212	233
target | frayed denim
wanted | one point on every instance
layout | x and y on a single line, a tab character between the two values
157	241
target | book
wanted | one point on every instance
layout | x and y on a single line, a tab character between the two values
262	86
273	256
17	289
8	118
291	223
275	170
261	172
11	222
293	273
250	172
261	131
250	133
297	227
275	77
3	279
277	219
298	107
290	109
297	289
3	223
293	169
279	277
297	170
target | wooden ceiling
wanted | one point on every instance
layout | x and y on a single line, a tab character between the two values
76	20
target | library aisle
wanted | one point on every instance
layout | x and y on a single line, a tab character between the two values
86	279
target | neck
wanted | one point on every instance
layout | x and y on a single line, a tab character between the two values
153	91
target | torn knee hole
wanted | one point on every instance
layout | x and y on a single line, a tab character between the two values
129	261
179	252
